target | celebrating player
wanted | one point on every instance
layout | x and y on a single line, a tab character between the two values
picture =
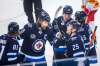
9	46
35	37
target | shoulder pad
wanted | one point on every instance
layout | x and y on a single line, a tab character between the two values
29	25
73	38
3	39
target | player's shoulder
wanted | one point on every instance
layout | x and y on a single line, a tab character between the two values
3	39
29	25
3	36
76	37
86	27
59	18
71	20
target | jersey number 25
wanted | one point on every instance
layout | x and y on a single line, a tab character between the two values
75	47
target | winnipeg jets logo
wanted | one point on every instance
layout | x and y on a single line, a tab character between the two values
38	45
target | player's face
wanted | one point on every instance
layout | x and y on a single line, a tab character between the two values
69	29
66	16
44	24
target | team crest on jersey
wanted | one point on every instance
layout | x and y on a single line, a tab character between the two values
38	45
32	36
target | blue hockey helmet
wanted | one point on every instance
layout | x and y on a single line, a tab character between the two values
44	15
68	9
13	27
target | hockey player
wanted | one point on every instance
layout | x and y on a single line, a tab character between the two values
28	8
35	37
85	32
59	27
74	44
9	46
75	48
59	47
72	47
63	20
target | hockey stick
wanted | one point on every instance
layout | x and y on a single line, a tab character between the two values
93	36
55	16
92	39
57	11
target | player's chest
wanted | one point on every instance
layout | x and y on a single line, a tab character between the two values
38	34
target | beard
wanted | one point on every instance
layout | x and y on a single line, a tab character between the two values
43	28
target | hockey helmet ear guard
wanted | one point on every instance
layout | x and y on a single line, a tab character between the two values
13	27
67	9
43	15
